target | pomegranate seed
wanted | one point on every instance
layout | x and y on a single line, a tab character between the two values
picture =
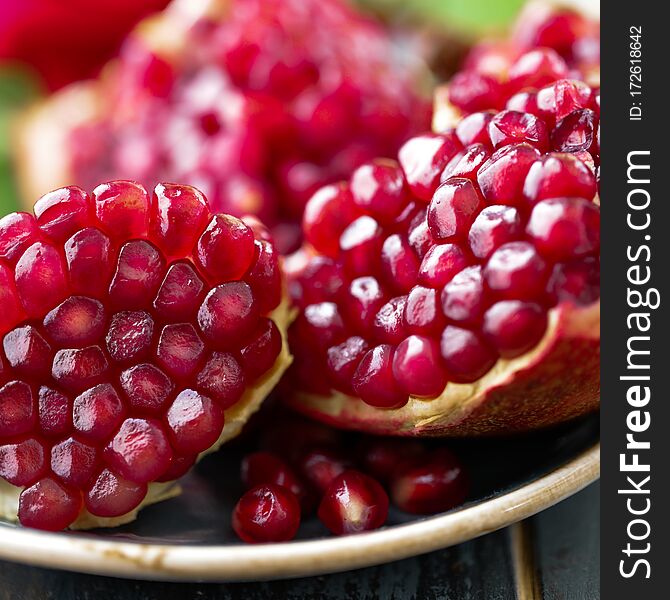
361	302
112	496
55	412
466	165
562	97
267	513
138	275
320	465
574	132
12	311
422	311
89	258
471	91
73	462
473	129
373	380
417	367
353	502
146	387
514	327
420	238
320	278
360	245
259	354
80	369
343	360
27	352
17	409
130	336
511	127
180	294
322	323
466	356
123	208
537	68
265	278
77	322
226	249
22	463
40	279
453	209
97	413
399	263
501	179
423	159
179	466
516	271
463	297
49	505
577	282
63	212
263	468
559	175
381	457
389	324
378	188
430	484
180	350
18	231
565	228
493	227
441	263
525	102
222	378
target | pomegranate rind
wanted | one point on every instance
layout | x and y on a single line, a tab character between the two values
235	418
557	381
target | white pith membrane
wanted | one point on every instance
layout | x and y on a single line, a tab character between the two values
235	418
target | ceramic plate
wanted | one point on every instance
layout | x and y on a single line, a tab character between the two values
189	537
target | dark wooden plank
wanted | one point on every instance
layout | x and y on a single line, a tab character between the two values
472	571
567	545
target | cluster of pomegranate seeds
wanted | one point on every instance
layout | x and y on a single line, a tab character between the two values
130	322
349	481
428	269
266	104
548	44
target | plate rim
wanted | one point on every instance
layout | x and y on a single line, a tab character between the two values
179	562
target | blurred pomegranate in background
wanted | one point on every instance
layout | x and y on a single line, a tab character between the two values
67	40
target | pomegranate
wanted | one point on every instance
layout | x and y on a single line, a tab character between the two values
455	291
126	329
258	103
267	513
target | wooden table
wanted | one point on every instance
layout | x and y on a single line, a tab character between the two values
554	555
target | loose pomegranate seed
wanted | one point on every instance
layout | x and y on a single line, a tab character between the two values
267	513
353	502
381	457
98	337
430	484
263	468
320	465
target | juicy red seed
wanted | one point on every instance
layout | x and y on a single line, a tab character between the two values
112	496
473	129
343	361
40	279
265	277
222	378
97	413
28	352
463	297
194	422
441	263
181	213
577	282
471	92
516	271
228	314
361	302
399	263
22	463
146	387
130	336
562	97
262	468
49	505
140	450
139	273
123	208
574	132
73	462
180	294
320	279
501	179
373	380
378	189
17	409
327	215
423	159
89	258
267	513
430	484
565	228
360	246
12	310
511	127
353	502
422	311
556	176
18	231
259	354
55	412
417	367
80	369
180	350
466	356
179	466
537	68
77	322
389	324
514	327
63	212
524	102
320	465
494	226
420	238
320	325
381	457
226	248
453	208
465	165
